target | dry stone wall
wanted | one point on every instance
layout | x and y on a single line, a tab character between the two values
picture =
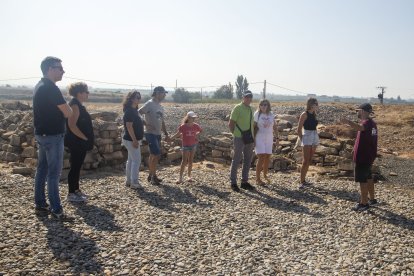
18	147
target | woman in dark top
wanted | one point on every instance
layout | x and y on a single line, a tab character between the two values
133	134
309	136
79	138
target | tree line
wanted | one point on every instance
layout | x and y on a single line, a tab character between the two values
226	91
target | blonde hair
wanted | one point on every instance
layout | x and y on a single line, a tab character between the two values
268	108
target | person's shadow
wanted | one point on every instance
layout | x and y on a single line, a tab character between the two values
392	218
68	246
210	191
298	195
97	217
280	204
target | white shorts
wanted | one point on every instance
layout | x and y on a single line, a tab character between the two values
310	138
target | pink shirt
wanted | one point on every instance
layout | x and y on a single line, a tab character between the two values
189	137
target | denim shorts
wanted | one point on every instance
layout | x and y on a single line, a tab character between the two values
310	138
154	143
189	148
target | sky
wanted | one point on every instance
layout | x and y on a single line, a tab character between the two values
325	47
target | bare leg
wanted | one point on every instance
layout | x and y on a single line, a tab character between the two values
371	190
190	163
306	157
364	193
266	166
259	168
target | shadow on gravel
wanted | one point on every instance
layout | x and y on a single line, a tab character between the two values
156	200
70	247
393	218
179	195
298	195
97	217
209	191
276	203
341	194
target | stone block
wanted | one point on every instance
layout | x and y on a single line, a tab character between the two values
15	140
216	153
29	152
23	170
346	166
322	150
30	162
331	143
172	156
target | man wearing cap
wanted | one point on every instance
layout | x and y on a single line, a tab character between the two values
241	119
365	152
153	114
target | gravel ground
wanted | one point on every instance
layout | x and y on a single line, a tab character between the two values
202	228
212	117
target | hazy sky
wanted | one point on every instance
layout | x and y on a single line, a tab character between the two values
331	47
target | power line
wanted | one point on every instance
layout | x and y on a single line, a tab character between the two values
300	92
28	78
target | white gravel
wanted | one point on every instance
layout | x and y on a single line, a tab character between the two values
202	228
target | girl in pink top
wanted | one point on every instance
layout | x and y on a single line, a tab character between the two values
188	131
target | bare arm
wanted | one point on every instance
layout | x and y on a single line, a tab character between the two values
72	120
302	119
65	109
232	125
355	126
131	133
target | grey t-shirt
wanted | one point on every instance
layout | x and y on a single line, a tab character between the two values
153	115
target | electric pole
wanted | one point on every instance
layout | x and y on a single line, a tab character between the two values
264	90
381	94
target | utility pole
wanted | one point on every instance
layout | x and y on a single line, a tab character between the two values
151	89
264	90
175	84
381	94
201	93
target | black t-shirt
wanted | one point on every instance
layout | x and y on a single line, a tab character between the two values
84	123
131	115
47	117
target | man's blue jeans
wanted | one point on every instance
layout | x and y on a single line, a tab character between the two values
49	167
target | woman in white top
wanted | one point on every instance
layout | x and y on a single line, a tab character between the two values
265	126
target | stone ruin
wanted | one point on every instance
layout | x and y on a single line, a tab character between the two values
18	147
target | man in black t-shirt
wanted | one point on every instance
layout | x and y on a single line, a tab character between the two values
49	112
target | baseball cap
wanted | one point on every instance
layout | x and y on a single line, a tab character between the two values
366	107
192	114
248	93
159	89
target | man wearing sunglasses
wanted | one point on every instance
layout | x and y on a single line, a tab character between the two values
49	112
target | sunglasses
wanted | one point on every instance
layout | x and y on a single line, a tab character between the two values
263	104
58	67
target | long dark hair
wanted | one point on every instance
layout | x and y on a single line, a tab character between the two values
129	98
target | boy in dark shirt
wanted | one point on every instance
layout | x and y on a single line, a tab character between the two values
365	152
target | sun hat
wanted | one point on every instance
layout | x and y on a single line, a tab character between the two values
192	114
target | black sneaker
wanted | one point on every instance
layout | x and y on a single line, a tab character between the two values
246	186
154	181
156	177
235	188
360	207
44	210
372	202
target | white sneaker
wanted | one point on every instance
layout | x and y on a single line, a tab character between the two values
72	197
82	195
